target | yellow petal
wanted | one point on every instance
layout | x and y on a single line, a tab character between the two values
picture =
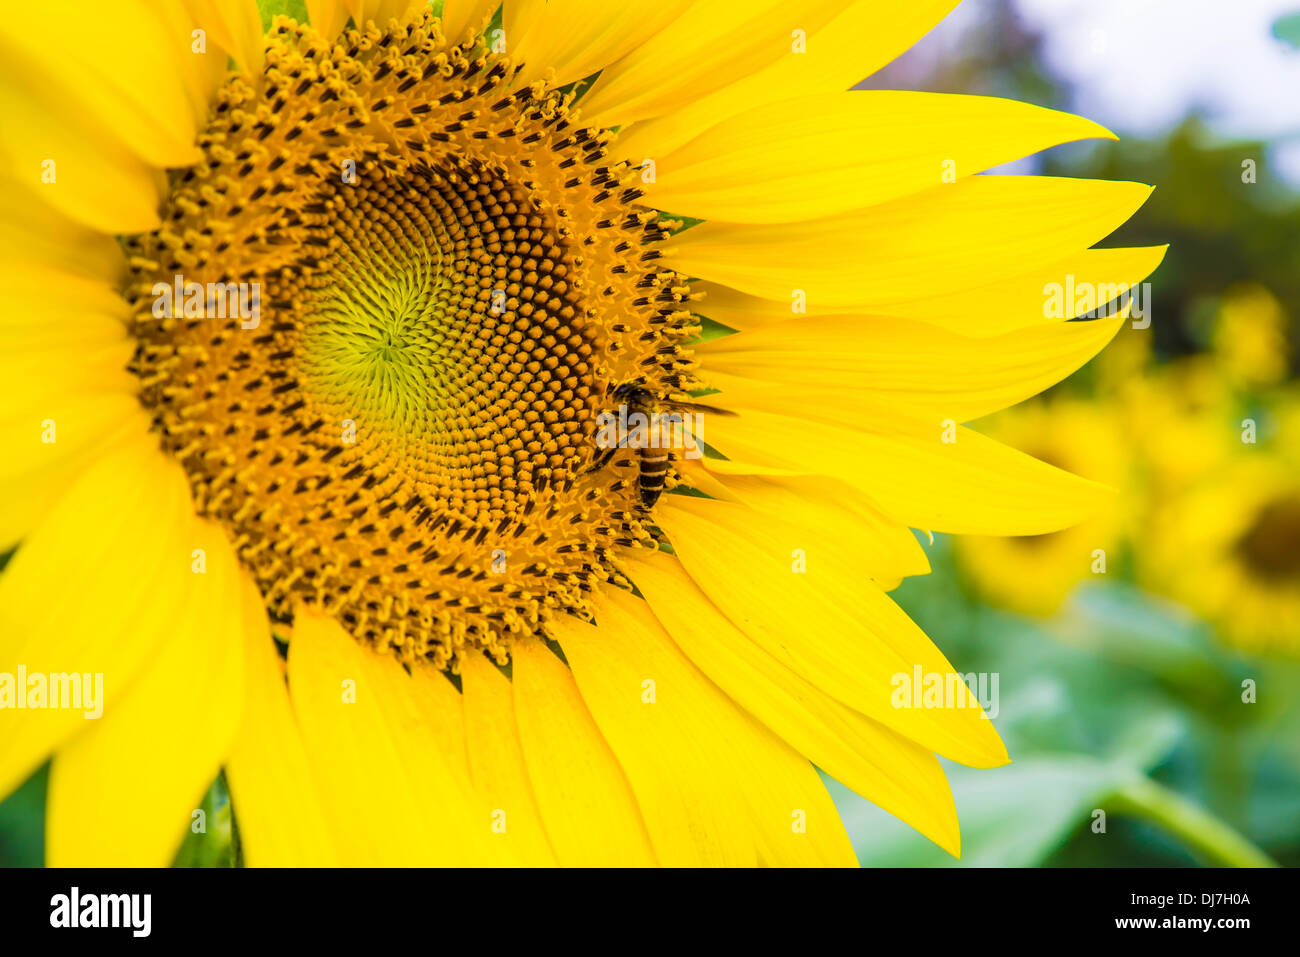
117	62
461	828
852	364
459	17
496	762
993	309
366	751
1026	298
96	588
575	38
832	511
806	602
35	473
37	373
715	787
699	52
70	160
202	69
328	17
830	153
936	476
860	39
583	795
967	234
85	312
36	236
884	767
63	385
741	311
442	710
277	801
234	26
123	791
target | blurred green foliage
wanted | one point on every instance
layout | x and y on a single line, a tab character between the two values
270	9
1116	688
213	840
1220	228
22	824
1288	28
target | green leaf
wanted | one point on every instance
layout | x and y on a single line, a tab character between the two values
22	823
1014	816
212	840
270	9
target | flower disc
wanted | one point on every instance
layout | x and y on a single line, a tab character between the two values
441	284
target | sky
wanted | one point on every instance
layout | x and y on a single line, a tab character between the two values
1140	65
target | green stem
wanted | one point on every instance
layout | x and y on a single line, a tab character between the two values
1212	838
1226	777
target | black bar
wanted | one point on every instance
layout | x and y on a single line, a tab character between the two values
446	908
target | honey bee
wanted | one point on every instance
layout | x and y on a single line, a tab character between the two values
657	420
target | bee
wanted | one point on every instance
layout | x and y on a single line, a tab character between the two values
662	418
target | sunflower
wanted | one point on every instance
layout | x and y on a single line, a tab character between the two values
1250	336
307	339
1227	543
1183	421
1033	574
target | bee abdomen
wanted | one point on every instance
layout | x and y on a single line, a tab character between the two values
654	471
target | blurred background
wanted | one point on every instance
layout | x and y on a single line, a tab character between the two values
1149	661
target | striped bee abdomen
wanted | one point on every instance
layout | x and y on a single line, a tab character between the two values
654	470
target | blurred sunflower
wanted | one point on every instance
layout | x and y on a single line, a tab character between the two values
1033	574
1228	544
1250	336
390	463
1183	421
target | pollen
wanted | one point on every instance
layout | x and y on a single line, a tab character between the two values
447	280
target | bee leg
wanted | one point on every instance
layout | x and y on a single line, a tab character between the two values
604	455
600	461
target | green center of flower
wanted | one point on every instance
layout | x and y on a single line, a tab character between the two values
414	339
378	340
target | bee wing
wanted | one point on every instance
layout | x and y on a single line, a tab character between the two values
694	407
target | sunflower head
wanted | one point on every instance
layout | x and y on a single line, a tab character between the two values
1270	546
450	278
1226	542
